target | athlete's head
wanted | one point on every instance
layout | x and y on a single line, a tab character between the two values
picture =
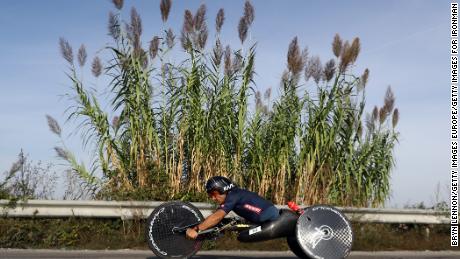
217	188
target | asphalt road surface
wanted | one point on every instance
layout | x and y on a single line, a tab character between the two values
143	254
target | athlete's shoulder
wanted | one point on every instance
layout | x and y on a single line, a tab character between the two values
246	192
241	191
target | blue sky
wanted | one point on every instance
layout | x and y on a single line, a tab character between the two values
405	44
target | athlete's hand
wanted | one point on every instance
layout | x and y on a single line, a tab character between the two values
191	233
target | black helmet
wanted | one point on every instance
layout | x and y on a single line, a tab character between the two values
220	184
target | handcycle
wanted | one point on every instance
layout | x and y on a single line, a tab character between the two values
318	231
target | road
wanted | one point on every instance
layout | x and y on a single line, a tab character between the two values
143	254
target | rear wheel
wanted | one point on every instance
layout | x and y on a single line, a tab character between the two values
324	232
295	247
163	230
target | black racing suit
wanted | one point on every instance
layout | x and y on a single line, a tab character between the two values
250	206
270	222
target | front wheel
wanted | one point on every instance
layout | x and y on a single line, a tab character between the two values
165	230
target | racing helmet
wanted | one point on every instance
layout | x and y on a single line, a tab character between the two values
220	184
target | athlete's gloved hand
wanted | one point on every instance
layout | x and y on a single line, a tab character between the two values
191	233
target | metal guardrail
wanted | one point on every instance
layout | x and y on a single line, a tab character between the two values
141	209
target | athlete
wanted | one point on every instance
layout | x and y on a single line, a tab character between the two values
244	203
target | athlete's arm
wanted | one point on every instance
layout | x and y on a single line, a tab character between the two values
212	220
209	222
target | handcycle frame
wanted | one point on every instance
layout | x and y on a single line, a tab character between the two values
232	224
284	226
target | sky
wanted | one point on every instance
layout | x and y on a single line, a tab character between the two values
405	44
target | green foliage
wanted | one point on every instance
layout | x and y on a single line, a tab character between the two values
70	233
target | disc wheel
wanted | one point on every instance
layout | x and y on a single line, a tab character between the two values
162	235
324	232
295	247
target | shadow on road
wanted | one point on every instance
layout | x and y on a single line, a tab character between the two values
231	257
234	257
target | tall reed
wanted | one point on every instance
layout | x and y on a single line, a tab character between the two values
178	124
